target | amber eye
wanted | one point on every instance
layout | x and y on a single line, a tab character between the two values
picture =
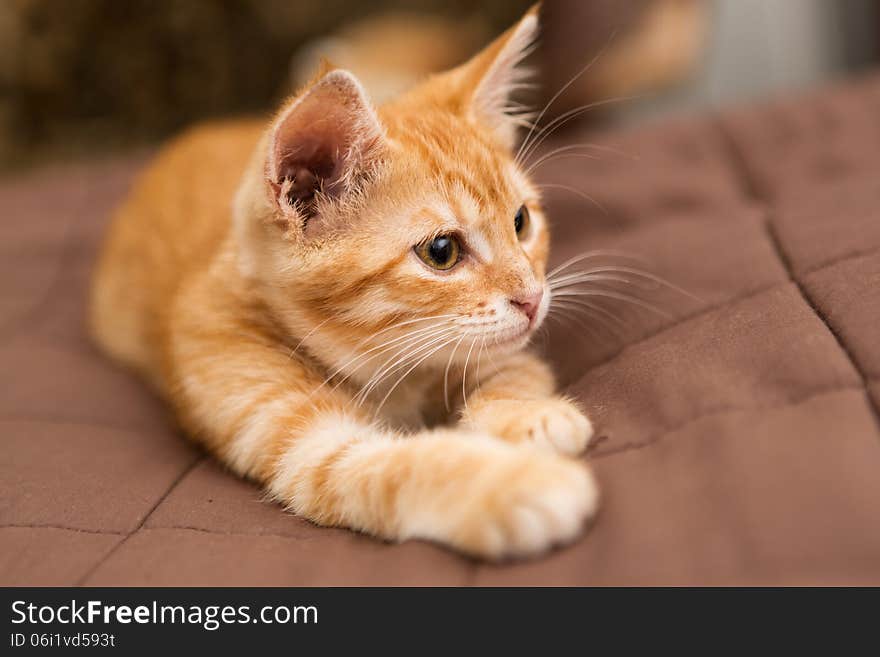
521	221
441	252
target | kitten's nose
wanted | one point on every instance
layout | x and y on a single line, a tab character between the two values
529	304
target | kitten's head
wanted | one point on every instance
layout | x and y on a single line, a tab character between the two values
413	222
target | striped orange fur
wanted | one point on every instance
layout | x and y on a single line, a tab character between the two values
264	279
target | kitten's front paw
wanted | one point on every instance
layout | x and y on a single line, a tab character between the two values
553	423
537	503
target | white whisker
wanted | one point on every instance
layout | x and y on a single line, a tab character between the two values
566	117
411	335
479	358
414	366
575	318
306	336
596	307
400	361
555	280
580	193
596	253
406	339
561	91
446	373
589	278
573	321
559	156
464	373
616	295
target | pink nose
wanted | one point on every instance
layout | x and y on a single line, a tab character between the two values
529	304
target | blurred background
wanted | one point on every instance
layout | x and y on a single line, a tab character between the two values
90	76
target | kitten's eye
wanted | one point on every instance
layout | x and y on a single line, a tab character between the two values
521	221
441	252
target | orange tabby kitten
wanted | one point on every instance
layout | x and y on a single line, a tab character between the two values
372	268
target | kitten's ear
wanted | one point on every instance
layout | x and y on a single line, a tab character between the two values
321	144
490	77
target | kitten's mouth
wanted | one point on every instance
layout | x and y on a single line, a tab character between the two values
506	337
513	337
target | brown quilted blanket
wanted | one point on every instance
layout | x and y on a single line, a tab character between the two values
738	436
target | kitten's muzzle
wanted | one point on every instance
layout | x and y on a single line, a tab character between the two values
529	304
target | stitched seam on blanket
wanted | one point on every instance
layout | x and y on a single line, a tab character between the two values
857	366
146	517
709	310
203	530
751	189
108	532
257	534
720	412
81	530
851	255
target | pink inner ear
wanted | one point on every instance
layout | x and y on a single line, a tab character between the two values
310	150
321	144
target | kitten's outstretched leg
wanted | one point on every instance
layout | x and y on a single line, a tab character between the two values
472	492
259	411
517	403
